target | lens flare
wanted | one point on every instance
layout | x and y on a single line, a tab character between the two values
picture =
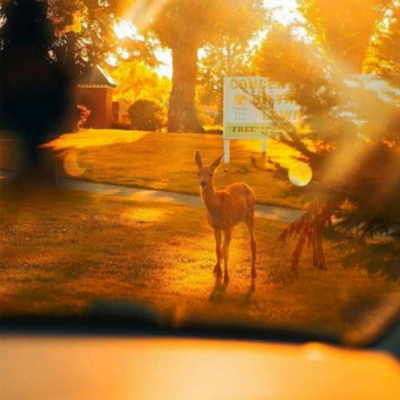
300	174
70	164
141	12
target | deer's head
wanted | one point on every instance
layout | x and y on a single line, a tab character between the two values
205	173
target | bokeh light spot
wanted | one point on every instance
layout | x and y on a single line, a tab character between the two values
300	174
71	166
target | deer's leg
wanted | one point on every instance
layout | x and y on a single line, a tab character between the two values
250	227
227	240
218	251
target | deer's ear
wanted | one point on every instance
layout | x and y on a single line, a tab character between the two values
217	162
197	159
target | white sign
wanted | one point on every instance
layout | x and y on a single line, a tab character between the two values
242	117
244	120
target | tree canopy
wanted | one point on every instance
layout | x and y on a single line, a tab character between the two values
353	144
185	27
383	57
229	54
344	27
83	32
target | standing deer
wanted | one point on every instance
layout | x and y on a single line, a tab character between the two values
226	208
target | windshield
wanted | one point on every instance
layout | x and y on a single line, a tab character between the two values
221	162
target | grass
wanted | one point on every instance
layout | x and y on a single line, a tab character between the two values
165	161
62	250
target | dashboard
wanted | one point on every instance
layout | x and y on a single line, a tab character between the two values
65	367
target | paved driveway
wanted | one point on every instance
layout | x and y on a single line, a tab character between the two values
262	211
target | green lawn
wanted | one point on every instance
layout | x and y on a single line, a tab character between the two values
61	250
164	161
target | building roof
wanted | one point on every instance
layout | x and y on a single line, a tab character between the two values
96	77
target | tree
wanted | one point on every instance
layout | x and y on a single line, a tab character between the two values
139	81
229	54
344	27
383	57
355	149
83	35
147	115
86	31
185	27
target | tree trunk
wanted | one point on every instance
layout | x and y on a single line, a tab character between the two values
182	116
318	251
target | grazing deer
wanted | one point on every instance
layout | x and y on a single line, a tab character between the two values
226	208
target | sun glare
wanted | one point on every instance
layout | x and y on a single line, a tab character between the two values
140	13
92	138
284	11
165	58
126	29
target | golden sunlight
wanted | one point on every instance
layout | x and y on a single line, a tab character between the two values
126	29
284	11
277	152
143	214
92	138
300	174
140	13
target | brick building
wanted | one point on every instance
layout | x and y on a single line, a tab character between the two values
95	92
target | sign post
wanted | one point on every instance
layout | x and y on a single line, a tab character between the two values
243	120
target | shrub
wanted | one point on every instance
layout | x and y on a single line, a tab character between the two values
206	119
147	115
82	113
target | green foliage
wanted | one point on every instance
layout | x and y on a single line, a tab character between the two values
343	27
384	53
198	22
187	23
83	114
207	119
147	115
229	53
84	33
352	144
185	27
136	80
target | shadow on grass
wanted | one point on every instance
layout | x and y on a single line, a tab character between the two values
218	291
376	256
248	296
382	258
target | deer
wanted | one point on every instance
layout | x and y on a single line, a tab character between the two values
225	209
